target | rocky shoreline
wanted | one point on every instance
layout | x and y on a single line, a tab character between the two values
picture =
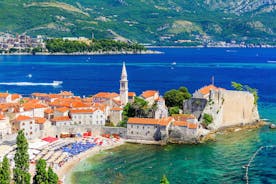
211	136
230	129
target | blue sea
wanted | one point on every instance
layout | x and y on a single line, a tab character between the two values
214	162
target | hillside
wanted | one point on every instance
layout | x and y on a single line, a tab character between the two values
156	22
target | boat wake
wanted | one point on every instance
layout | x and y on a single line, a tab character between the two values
271	61
54	83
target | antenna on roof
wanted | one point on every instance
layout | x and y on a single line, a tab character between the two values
213	80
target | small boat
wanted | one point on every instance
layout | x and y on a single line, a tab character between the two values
272	126
57	83
173	63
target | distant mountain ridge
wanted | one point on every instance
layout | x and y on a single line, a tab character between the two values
155	22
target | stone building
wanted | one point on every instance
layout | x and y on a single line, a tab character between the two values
148	128
88	117
28	125
5	127
227	107
116	115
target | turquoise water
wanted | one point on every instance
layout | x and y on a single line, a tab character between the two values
213	162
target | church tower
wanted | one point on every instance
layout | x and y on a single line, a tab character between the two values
124	86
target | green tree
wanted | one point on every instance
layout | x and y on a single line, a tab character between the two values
174	110
254	92
207	119
52	176
237	86
164	180
175	98
21	160
5	172
41	176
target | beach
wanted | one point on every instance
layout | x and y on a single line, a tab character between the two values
65	169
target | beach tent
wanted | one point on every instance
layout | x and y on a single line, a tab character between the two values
50	139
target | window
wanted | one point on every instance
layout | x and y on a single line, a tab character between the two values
131	132
131	126
22	124
31	122
143	127
31	133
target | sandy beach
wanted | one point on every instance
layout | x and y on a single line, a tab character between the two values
91	152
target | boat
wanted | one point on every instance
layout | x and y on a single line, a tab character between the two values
54	83
173	63
57	83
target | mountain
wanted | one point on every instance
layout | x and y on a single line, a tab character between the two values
156	22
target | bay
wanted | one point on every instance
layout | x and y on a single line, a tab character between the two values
213	162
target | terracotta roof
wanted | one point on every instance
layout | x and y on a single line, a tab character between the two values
2	117
4	95
39	94
48	111
15	96
149	93
62	109
6	106
82	111
66	93
78	104
39	120
183	117
54	95
30	106
192	125
30	101
60	103
180	123
165	121
132	94
106	95
150	121
116	109
61	118
206	89
22	118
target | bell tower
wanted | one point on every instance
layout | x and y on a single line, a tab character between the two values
124	86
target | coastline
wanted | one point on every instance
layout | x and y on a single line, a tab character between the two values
82	53
68	166
230	129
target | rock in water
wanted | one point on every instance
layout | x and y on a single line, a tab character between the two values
272	126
